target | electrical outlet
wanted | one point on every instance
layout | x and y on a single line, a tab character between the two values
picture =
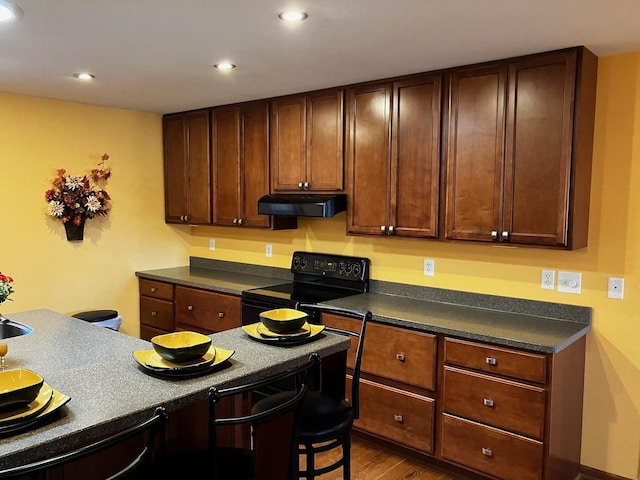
616	288
548	279
212	244
570	282
429	267
269	250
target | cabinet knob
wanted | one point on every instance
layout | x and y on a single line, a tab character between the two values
240	221
235	220
391	229
494	234
488	402
398	418
400	357
491	361
300	185
221	314
505	235
306	185
190	308
154	314
153	289
487	452
383	228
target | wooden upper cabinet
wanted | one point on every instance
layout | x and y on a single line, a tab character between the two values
187	167
240	163
368	158
306	142
520	137
393	157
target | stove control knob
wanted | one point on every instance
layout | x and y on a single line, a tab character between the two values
356	269
341	267
303	263
296	261
348	269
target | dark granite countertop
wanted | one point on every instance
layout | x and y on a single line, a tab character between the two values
532	325
109	391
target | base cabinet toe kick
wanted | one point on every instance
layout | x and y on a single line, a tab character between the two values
503	413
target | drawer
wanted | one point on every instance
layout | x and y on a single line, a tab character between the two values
501	403
151	288
400	354
395	353
503	361
495	452
147	332
402	417
209	311
157	313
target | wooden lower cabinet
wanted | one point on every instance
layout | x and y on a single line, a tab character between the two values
156	308
490	450
206	311
503	413
393	414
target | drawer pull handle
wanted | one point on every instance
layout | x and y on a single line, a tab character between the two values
491	361
190	308
487	452
153	289
400	357
488	402
154	314
221	314
398	418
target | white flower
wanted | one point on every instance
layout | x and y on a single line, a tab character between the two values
93	204
55	208
73	182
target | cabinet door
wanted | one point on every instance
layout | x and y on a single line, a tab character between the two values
475	154
415	164
199	167
288	143
225	127
368	159
175	168
255	165
538	149
325	161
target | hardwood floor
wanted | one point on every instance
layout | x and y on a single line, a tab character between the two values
374	460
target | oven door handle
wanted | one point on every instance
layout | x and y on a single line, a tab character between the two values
330	309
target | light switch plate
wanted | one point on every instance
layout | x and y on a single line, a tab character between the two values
212	244
268	250
570	282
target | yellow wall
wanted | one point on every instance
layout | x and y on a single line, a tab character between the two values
38	136
611	433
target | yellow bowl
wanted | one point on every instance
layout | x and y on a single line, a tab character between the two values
18	387
181	346
283	320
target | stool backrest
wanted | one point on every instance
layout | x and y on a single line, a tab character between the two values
150	426
274	431
365	316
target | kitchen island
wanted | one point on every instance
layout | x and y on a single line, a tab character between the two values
109	391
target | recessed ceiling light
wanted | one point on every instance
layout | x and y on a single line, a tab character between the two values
9	11
293	16
84	76
224	66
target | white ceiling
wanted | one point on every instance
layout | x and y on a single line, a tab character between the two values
156	55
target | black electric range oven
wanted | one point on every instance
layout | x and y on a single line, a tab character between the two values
317	278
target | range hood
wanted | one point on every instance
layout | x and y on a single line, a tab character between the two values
302	205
